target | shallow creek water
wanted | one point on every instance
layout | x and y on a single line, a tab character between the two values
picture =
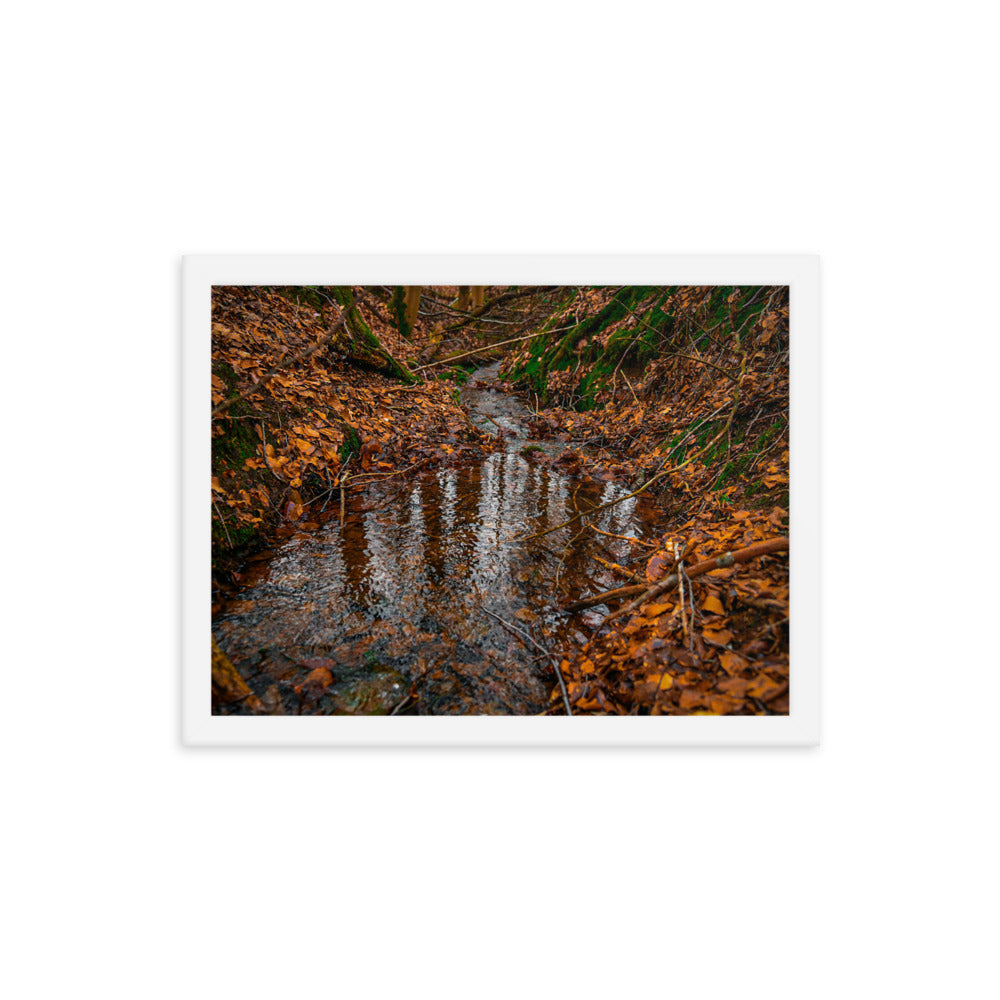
391	602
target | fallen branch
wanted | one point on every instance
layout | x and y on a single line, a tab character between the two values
647	593
618	594
480	350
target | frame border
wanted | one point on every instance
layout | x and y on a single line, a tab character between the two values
801	727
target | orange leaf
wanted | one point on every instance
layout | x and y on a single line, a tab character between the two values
719	637
655	610
733	663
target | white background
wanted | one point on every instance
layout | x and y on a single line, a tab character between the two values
863	132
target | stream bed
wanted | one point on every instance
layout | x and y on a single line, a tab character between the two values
393	601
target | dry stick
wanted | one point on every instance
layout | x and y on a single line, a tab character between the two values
386	475
629	384
625	538
479	350
401	704
223	523
647	593
326	469
491	420
694	611
680	574
264	379
342	481
543	651
615	567
334	485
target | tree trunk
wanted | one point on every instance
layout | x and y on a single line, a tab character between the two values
364	346
399	308
412	298
462	302
478	296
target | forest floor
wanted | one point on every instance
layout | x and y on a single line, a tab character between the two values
700	623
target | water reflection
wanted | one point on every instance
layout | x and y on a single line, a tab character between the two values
402	583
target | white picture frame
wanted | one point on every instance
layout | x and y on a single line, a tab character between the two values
801	727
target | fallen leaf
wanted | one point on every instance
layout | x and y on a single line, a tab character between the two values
655	610
733	663
718	637
657	566
713	605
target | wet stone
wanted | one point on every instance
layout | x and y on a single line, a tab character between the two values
373	691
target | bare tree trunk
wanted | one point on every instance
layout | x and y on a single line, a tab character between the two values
478	296
412	296
462	302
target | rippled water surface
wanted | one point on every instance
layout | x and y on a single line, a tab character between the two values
392	601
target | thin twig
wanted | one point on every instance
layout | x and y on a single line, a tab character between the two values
680	573
480	350
625	538
385	475
545	652
222	521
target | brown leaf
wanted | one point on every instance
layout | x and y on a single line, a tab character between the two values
367	450
766	688
658	566
735	686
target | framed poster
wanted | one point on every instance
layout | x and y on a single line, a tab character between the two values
572	504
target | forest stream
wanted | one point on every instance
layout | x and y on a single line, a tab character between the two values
394	601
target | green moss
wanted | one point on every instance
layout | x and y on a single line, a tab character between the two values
239	439
351	444
308	295
398	309
229	537
366	344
